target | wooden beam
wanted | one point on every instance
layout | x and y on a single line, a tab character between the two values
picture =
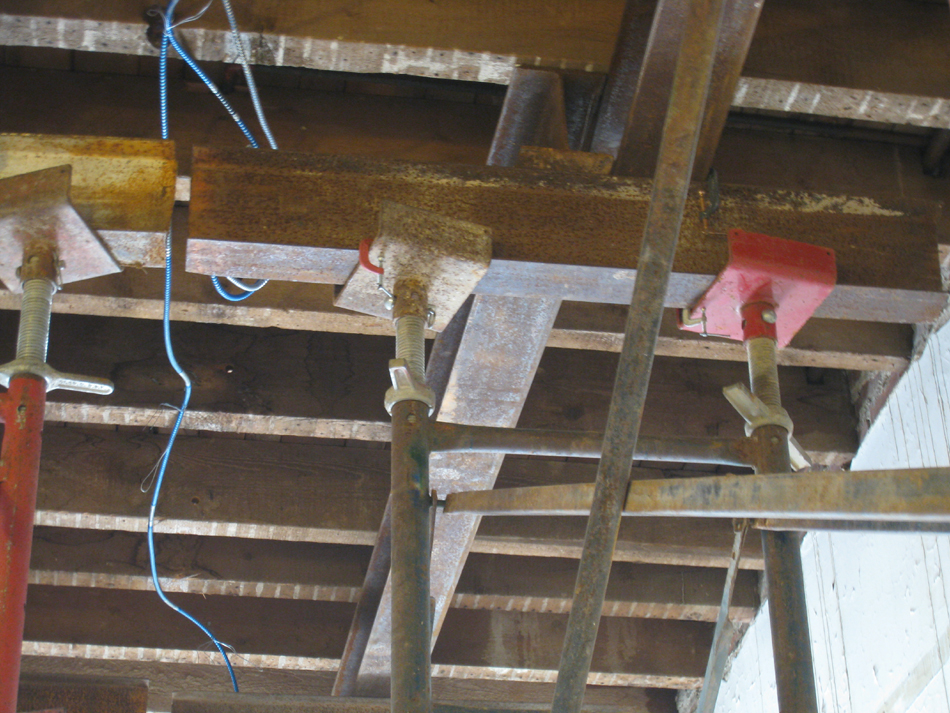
333	116
554	234
248	376
98	623
836	344
166	678
236	703
806	42
307	571
265	490
82	694
122	188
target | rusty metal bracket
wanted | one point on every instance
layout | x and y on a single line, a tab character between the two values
449	256
35	210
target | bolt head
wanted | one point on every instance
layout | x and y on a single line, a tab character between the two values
389	304
768	316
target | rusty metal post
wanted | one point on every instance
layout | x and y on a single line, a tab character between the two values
791	642
449	437
410	402
677	153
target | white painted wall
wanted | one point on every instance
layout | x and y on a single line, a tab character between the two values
878	604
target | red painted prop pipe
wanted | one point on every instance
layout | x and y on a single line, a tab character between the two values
21	409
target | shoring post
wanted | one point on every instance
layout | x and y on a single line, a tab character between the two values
791	642
410	402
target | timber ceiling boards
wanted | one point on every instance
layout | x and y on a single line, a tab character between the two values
289	388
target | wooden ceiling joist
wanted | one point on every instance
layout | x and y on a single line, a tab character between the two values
277	485
874	46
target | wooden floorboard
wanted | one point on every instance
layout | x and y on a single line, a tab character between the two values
321	572
91	479
166	678
310	635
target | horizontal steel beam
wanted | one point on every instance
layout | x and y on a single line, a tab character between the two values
918	495
452	437
286	216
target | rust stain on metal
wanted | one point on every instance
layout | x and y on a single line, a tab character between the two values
449	256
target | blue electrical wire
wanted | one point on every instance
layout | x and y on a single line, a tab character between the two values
219	288
166	328
190	61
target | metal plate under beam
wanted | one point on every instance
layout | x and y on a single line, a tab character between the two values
301	217
449	256
35	208
123	188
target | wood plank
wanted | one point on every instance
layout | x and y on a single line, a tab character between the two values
329	378
323	120
90	479
836	344
861	346
243	703
321	572
554	234
310	635
82	695
166	678
881	45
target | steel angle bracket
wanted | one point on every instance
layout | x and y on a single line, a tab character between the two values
35	211
449	256
791	276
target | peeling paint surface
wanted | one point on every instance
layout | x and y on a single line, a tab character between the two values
879	605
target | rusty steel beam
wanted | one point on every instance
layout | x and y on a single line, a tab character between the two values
902	498
557	235
643	109
660	237
532	115
449	437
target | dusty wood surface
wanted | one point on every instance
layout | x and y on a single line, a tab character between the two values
321	572
335	116
297	634
247	211
168	678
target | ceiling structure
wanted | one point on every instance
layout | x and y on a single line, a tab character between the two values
279	482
